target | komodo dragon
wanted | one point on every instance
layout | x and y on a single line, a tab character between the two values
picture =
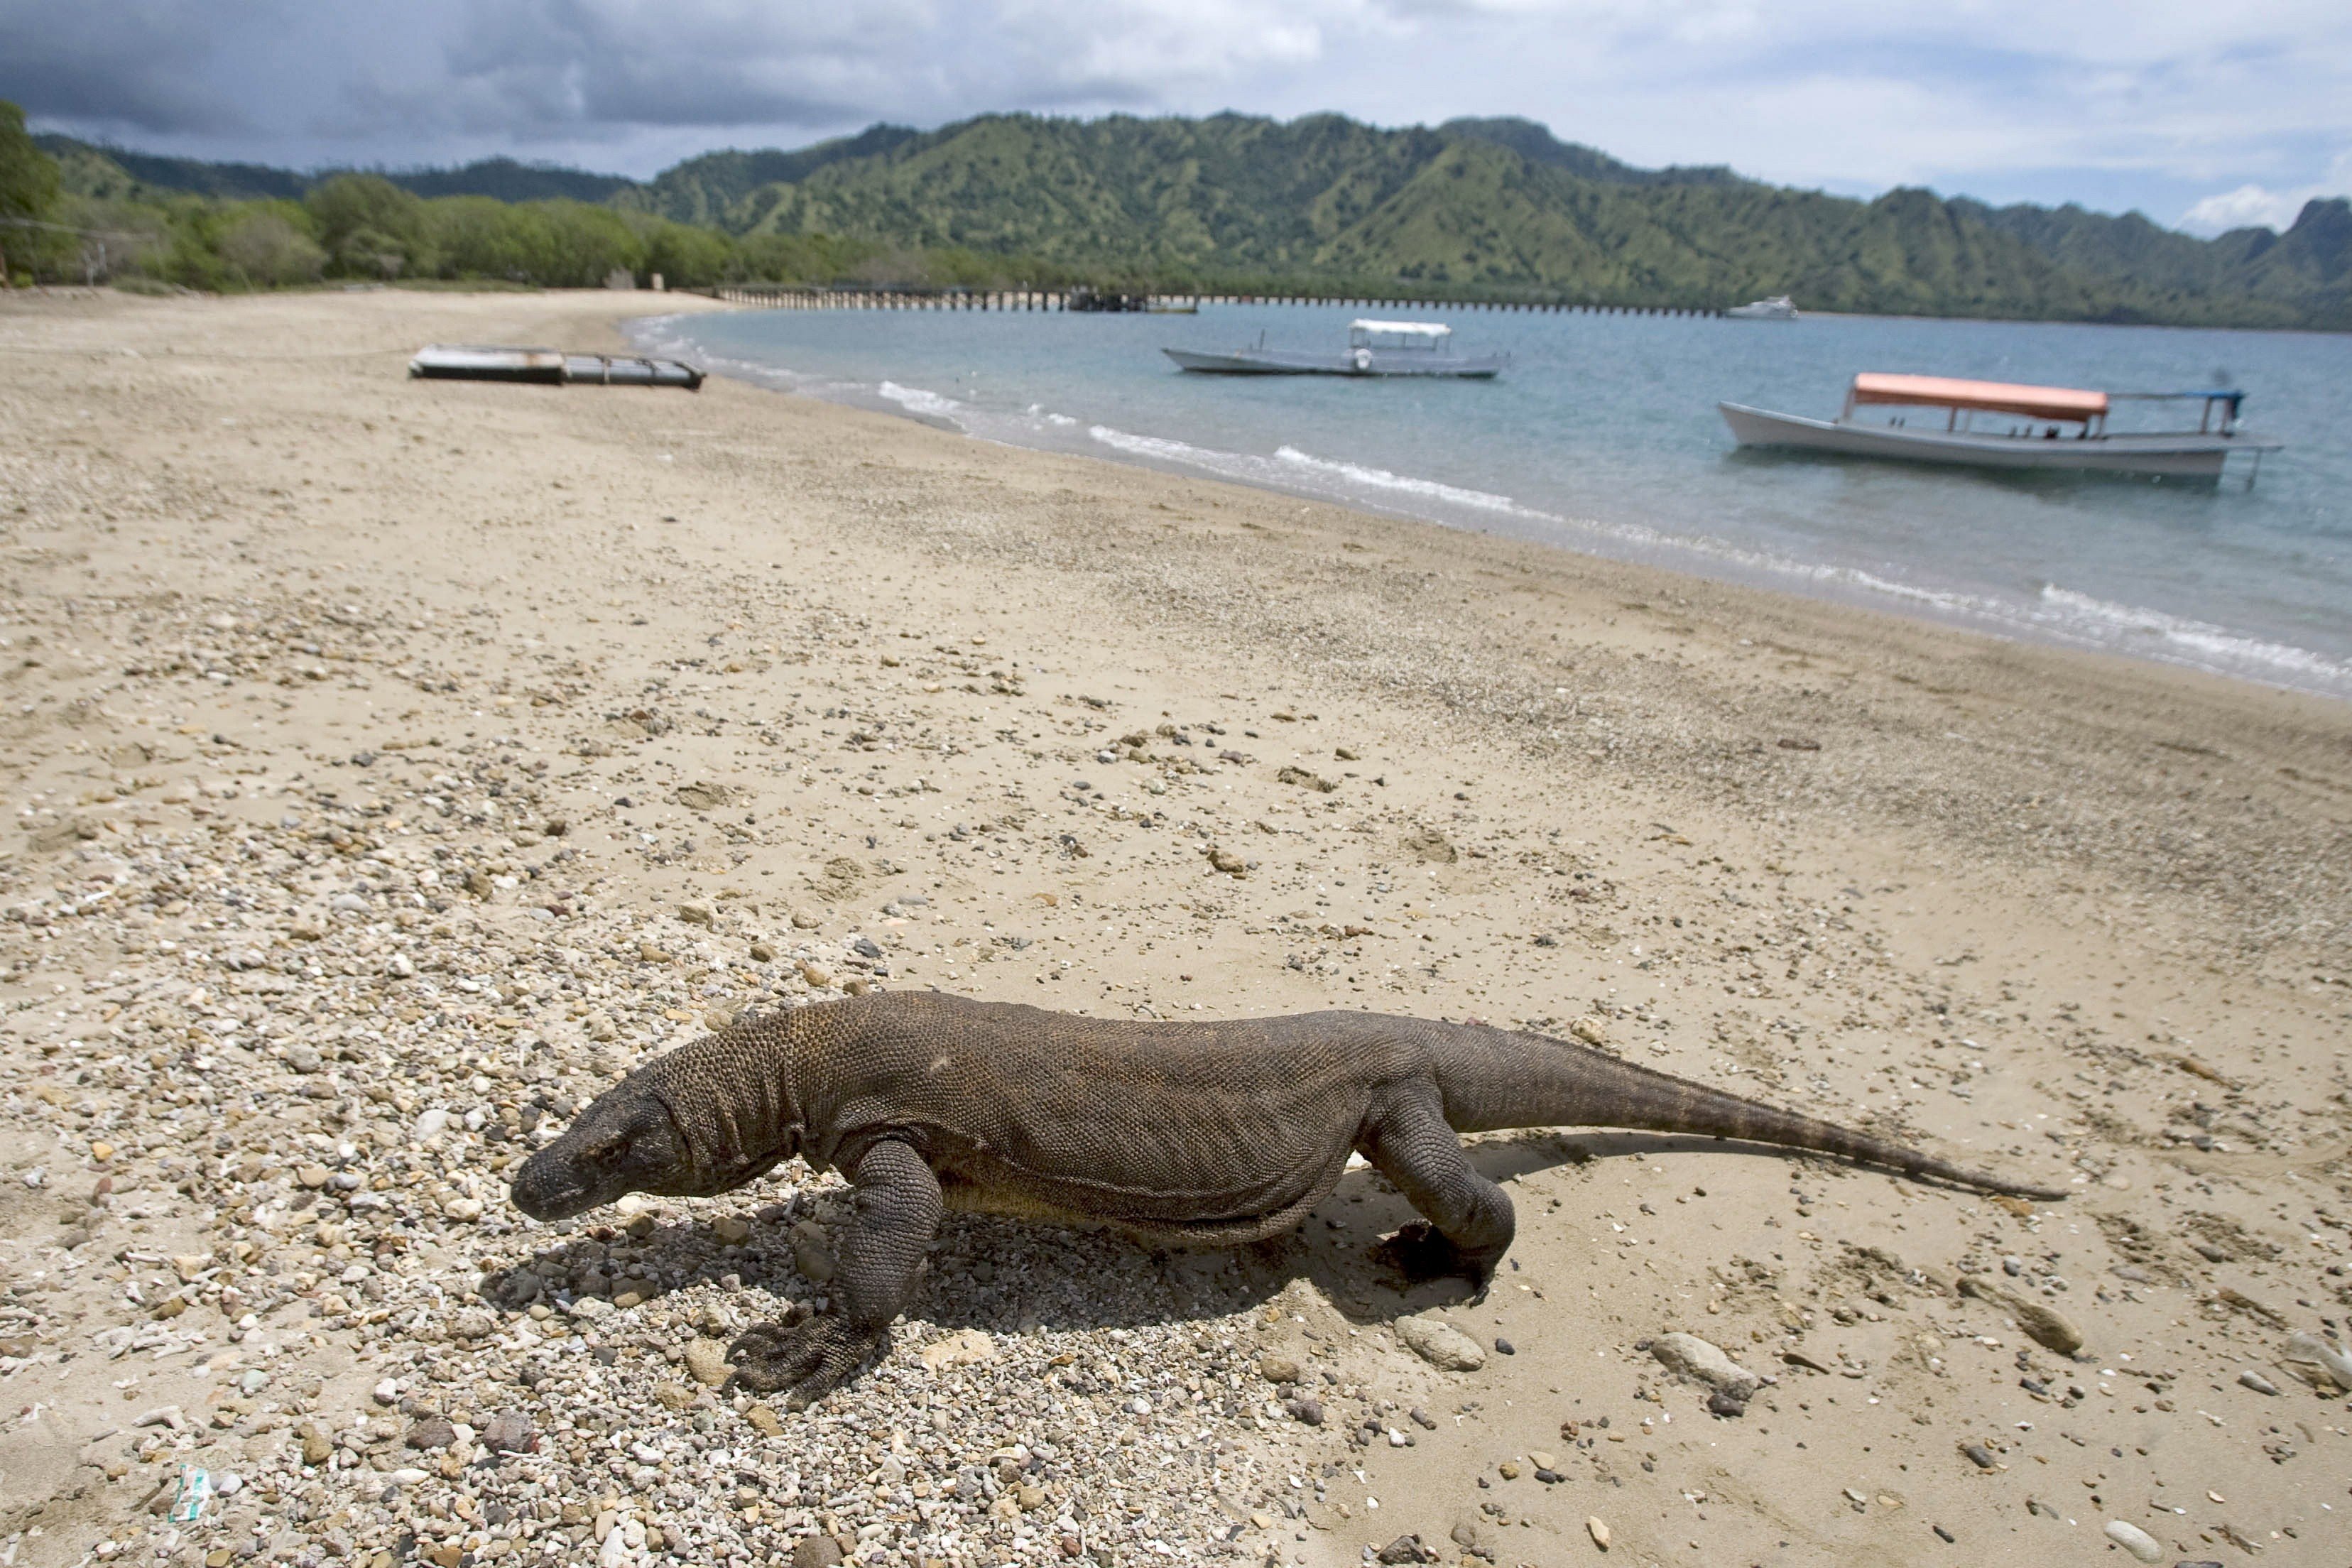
1192	1134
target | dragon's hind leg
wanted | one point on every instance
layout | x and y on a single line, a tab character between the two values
1470	1221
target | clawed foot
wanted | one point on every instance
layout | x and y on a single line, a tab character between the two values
1421	1253
809	1359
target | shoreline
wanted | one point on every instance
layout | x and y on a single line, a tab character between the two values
394	763
2059	616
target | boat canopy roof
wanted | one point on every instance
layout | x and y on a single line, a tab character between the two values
1428	332
1991	396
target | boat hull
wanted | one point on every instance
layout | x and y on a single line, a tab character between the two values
2190	457
549	367
1270	361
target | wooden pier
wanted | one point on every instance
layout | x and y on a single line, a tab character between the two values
839	297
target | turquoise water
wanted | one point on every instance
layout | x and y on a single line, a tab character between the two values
1603	436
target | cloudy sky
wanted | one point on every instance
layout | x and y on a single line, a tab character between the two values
2199	113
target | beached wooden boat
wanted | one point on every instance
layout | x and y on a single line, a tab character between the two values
551	367
2049	427
1375	349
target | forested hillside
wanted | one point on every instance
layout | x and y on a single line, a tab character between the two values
1473	208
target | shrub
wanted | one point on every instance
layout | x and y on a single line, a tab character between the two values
270	251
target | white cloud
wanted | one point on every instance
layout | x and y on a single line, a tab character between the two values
2258	206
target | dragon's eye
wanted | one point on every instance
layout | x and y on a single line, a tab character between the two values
607	1150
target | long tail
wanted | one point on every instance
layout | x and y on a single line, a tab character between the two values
1494	1079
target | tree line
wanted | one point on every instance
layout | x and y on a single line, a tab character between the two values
362	228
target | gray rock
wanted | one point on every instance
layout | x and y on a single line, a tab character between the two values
432	1432
2135	1540
1695	1360
1440	1345
303	1059
1474	1538
816	1551
813	1252
508	1432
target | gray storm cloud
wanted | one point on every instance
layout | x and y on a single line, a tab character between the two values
2169	104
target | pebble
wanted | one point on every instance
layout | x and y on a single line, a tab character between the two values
706	1362
2133	1540
1597	1530
1440	1345
1278	1368
2257	1382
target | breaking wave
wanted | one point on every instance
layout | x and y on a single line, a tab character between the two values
915	400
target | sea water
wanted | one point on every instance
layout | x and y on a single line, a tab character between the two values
1603	435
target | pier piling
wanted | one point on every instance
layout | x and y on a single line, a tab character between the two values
1081	298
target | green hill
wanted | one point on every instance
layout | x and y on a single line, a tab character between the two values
502	179
1501	208
1495	208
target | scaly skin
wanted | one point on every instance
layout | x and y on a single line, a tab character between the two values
1195	1134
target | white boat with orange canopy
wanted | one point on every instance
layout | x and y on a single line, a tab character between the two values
2004	425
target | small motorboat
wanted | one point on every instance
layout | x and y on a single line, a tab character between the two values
1778	307
1375	349
2062	428
549	367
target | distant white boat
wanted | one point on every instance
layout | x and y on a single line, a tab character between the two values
2053	427
1374	348
1778	307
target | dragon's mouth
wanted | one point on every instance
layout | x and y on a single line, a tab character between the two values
545	1190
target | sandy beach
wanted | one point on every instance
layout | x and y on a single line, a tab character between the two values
392	763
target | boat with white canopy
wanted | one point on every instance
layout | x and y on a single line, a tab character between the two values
2006	425
1374	348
